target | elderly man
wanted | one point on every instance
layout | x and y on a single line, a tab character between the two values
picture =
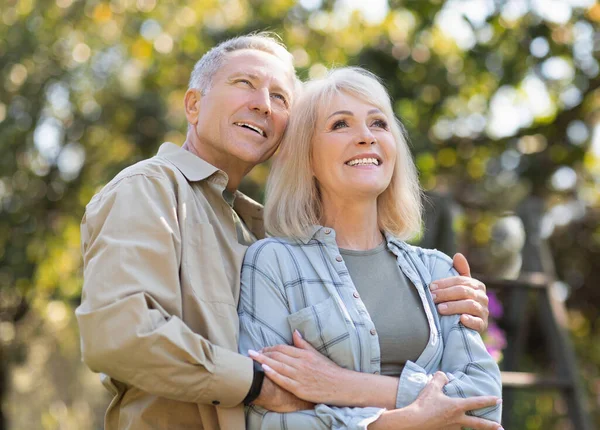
163	244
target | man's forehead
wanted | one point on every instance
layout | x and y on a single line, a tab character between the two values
260	64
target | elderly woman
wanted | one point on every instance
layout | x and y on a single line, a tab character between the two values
338	279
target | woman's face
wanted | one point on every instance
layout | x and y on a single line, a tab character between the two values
353	149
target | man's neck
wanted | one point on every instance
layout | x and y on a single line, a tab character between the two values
234	169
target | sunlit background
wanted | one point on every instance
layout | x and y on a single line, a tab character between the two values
500	98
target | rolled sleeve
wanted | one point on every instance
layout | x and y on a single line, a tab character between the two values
129	316
412	380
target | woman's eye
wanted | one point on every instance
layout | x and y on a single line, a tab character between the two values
380	123
339	124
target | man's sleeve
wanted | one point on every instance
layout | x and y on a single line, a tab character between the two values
128	321
263	310
469	367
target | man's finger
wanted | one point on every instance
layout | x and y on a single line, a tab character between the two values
457	280
299	342
470	307
458	292
461	265
473	323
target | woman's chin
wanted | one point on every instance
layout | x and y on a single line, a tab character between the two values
362	191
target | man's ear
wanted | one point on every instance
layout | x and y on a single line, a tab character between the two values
192	105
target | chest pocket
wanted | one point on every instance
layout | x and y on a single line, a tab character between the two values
325	328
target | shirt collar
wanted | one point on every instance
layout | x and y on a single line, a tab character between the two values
319	232
191	166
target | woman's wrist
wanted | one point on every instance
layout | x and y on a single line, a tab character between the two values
357	389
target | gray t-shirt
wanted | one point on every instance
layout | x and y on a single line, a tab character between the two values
393	303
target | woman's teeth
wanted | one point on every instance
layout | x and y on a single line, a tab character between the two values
363	162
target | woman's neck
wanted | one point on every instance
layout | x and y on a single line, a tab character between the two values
354	222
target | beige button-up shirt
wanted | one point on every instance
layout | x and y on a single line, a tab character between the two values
162	252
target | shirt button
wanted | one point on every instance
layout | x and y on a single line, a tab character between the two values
327	231
356	295
216	402
373	331
339	258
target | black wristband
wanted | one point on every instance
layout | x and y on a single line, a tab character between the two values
257	383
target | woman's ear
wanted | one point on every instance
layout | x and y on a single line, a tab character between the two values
192	105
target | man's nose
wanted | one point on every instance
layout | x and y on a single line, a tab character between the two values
261	101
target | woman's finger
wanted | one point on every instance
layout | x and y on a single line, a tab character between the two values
436	384
291	351
299	342
480	402
280	363
283	381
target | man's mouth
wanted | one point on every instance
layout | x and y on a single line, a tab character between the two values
370	161
252	127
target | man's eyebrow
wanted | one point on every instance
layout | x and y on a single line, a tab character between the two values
276	87
246	74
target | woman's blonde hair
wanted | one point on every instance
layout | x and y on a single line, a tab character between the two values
293	201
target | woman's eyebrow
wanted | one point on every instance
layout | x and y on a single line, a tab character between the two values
341	112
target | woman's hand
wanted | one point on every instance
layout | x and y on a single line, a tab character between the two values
433	410
302	370
462	295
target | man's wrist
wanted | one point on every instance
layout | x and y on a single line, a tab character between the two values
257	384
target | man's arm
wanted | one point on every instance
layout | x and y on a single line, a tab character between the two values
128	318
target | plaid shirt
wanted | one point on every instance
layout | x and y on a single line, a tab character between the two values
305	285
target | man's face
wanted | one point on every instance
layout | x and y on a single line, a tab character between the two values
242	117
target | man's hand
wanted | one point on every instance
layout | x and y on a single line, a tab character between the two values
462	295
276	399
302	370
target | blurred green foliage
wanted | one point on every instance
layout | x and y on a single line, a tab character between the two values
500	99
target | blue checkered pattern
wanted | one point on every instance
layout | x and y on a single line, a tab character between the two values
304	284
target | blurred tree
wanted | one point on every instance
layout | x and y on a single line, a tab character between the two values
500	99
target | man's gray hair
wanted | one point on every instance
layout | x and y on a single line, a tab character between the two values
211	62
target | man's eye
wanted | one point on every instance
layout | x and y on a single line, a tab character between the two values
339	124
244	81
280	97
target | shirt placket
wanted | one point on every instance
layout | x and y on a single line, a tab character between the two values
368	339
434	342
